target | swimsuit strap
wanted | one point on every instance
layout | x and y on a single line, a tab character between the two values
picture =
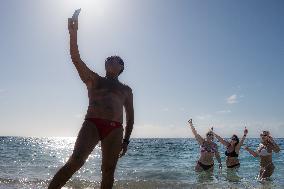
204	148
231	154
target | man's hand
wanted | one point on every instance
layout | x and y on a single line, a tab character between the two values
72	26
73	22
124	146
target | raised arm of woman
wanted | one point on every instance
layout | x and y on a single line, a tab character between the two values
253	153
199	139
220	139
238	147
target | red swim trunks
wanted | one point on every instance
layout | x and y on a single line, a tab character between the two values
104	126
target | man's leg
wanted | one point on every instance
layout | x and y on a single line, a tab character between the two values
111	147
87	139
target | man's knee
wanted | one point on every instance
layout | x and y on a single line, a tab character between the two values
76	161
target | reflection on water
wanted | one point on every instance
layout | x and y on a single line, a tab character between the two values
149	163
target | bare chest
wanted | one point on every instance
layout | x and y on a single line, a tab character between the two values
108	91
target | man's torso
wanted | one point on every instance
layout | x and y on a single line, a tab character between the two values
106	99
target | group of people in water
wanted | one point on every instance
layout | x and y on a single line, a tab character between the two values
104	118
209	149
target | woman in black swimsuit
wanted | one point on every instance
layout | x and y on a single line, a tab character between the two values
233	149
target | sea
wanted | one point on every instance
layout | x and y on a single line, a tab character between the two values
152	163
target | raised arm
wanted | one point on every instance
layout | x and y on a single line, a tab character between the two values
85	73
129	110
275	147
199	139
238	147
253	153
220	139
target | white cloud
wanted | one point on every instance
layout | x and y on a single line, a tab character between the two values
232	99
223	112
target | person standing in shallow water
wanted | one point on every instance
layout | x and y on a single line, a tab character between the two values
208	149
264	152
233	149
104	118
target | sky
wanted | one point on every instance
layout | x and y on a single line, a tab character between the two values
220	63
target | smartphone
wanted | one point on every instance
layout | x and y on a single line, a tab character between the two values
76	14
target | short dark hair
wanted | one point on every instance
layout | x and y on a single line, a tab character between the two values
115	57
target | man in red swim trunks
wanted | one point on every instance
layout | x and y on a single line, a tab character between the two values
104	118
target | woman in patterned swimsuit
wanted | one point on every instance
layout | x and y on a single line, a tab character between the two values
208	149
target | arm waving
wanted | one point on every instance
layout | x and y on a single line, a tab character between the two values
220	139
238	147
199	139
253	153
275	147
85	73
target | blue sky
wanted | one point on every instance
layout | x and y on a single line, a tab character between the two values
218	62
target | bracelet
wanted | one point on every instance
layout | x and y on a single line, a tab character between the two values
126	141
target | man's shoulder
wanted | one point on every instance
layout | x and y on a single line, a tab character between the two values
126	88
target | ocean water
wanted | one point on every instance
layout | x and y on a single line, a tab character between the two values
27	162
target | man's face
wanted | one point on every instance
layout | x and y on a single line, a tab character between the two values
113	67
